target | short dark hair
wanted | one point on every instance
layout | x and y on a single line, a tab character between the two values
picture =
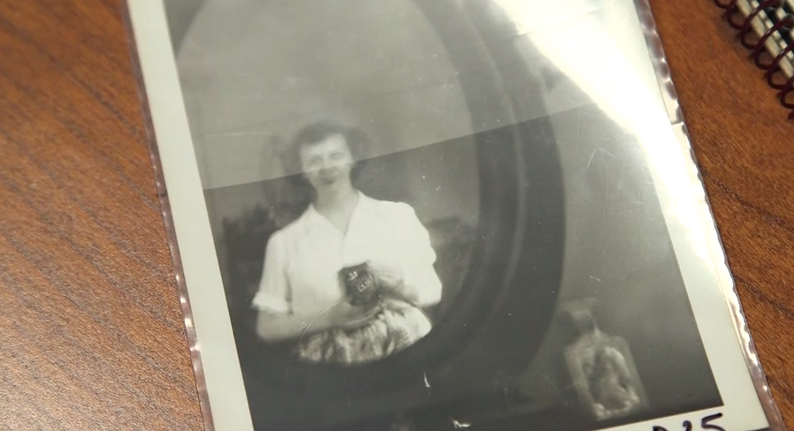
356	139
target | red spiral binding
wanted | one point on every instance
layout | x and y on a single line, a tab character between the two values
774	73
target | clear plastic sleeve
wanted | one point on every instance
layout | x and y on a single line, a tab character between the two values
528	160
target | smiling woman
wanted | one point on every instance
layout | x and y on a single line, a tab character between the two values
308	289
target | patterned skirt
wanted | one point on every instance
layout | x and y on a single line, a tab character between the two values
391	330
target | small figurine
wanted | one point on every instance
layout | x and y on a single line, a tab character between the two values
602	368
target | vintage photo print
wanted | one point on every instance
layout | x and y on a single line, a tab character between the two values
434	215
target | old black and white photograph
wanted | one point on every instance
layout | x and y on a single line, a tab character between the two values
423	221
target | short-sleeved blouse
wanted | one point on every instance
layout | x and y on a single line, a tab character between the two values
302	260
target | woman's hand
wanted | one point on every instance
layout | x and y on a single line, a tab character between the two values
347	316
421	287
388	276
392	281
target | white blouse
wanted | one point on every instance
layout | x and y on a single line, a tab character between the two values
302	260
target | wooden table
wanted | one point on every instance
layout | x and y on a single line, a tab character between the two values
91	331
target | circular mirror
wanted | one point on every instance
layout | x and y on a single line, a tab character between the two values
426	81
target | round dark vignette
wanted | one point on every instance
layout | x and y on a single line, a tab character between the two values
516	263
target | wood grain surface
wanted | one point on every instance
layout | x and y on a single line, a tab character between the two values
91	331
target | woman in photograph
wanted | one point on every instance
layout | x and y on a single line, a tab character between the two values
347	281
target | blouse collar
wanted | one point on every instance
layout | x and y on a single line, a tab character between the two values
314	220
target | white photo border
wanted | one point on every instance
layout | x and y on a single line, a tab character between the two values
681	195
223	380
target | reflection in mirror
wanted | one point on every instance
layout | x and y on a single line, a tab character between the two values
392	237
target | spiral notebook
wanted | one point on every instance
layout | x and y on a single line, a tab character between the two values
767	28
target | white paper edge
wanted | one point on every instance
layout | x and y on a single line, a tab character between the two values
215	339
222	372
